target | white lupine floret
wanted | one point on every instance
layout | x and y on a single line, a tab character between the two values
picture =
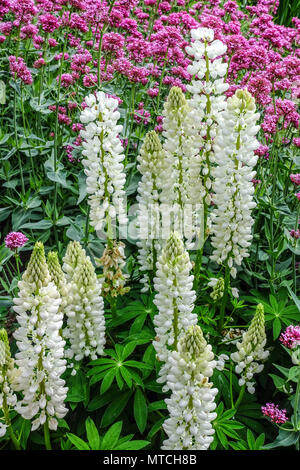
174	298
40	358
85	313
250	351
182	183
151	161
103	154
191	404
233	189
208	99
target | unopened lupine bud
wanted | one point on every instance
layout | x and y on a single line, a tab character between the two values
251	351
58	277
74	254
191	404
8	375
41	348
218	288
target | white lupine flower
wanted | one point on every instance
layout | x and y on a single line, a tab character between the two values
103	154
251	350
208	94
175	297
234	152
220	361
85	313
3	428
182	184
151	163
191	405
8	374
41	348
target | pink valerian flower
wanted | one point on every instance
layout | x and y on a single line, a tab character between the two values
295	233
19	69
49	22
262	151
296	141
275	414
66	80
15	240
141	115
295	178
298	196
39	63
291	337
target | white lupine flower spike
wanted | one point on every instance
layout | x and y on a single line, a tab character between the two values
233	189
103	154
151	164
251	351
174	298
192	402
85	328
41	348
183	185
208	95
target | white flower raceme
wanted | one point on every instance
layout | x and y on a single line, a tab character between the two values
191	405
103	154
41	348
234	151
85	315
151	165
8	374
251	350
208	94
175	297
182	183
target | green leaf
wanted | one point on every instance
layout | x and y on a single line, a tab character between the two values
111	437
107	380
41	225
77	442
92	434
115	409
140	410
284	439
276	328
128	349
132	445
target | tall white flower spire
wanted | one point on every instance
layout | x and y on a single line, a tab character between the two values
85	328
41	348
175	297
208	99
233	188
183	184
151	164
191	405
250	351
103	154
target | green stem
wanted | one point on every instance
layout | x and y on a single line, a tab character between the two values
47	436
240	397
224	299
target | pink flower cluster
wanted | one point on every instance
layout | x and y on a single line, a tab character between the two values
19	69
275	414
15	240
291	337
